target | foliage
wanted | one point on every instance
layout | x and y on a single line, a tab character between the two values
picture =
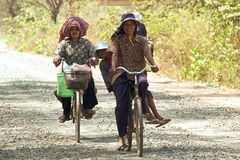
195	66
209	29
30	30
194	40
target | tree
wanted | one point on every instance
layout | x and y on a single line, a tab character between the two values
52	6
73	7
11	7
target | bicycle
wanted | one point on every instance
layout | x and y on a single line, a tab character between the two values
135	117
77	81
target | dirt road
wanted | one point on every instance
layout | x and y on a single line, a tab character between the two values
205	120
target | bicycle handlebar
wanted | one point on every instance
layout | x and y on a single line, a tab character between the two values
134	72
88	62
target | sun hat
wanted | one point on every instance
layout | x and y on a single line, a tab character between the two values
126	17
101	45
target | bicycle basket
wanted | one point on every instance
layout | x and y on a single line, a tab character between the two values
77	79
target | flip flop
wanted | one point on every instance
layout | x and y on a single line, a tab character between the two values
163	122
154	121
123	147
62	119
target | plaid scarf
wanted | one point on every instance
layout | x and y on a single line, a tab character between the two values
65	30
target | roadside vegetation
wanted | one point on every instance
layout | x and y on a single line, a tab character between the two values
196	40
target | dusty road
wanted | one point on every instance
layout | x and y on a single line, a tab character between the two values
205	121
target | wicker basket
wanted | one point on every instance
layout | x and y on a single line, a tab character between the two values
77	79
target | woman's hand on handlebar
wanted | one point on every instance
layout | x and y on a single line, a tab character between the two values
92	61
155	68
57	61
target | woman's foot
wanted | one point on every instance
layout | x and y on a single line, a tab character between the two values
149	117
88	113
163	122
122	146
63	118
154	121
160	118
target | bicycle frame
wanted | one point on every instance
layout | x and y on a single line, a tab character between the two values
135	114
77	105
77	109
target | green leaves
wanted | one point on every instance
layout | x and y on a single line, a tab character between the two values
195	66
193	40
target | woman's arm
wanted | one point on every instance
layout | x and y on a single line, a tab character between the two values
148	56
58	54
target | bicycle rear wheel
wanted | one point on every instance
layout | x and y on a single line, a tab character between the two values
78	116
138	123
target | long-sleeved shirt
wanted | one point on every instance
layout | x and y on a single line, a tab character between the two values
78	53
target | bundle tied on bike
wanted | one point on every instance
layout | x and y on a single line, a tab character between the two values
78	76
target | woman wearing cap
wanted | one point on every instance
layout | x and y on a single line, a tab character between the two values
75	49
128	50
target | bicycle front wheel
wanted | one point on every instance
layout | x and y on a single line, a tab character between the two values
73	109
138	123
78	116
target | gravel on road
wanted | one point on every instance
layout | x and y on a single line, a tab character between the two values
205	120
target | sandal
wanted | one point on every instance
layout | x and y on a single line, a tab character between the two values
123	147
63	118
88	113
149	117
163	122
160	118
154	121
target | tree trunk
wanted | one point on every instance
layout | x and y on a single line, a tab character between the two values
73	7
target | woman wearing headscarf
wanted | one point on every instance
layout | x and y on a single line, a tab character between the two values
76	49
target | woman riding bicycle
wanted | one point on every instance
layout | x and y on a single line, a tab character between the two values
152	115
128	50
75	49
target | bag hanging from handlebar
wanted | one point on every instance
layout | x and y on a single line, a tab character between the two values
62	90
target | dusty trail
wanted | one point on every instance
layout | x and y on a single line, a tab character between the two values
205	121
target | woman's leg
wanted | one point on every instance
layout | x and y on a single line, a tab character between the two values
153	108
152	105
66	104
155	112
143	85
121	92
147	106
89	96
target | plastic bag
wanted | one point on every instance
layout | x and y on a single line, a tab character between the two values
79	76
83	68
62	90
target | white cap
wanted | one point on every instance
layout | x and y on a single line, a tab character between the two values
137	15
